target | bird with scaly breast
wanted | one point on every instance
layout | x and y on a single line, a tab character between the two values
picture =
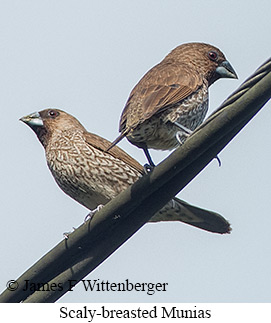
92	176
171	99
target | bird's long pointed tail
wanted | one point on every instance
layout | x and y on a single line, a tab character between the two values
178	210
117	140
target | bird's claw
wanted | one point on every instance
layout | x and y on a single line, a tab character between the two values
90	215
184	130
183	133
181	137
67	234
148	168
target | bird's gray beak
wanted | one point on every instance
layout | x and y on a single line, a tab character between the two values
226	70
33	120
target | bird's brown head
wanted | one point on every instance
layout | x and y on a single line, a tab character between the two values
205	59
49	121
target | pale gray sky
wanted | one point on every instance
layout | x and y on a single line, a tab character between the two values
85	57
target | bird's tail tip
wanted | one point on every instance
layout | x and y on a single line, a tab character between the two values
116	141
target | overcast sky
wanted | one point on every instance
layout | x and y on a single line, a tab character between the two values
85	57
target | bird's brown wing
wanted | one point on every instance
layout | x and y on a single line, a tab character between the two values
173	211
163	86
102	144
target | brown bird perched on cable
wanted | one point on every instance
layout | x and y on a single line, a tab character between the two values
85	171
171	99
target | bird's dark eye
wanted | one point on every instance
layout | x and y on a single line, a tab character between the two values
53	113
213	56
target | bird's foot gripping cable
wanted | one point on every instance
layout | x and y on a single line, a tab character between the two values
148	168
92	212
